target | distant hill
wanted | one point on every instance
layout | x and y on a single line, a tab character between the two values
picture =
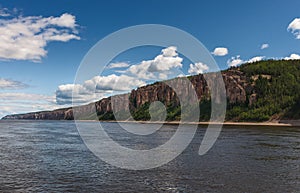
256	92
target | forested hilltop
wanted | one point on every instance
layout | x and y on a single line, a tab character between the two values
275	92
256	92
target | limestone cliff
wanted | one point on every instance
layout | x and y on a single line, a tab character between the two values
235	82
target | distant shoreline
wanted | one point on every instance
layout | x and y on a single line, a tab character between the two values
284	123
281	123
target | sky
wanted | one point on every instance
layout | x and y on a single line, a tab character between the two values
42	44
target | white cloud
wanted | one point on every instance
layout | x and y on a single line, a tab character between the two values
235	61
12	103
292	57
102	86
11	84
62	37
141	70
294	26
118	65
255	59
165	62
76	93
25	38
264	46
163	76
112	82
65	20
197	68
95	88
162	67
221	51
24	96
170	51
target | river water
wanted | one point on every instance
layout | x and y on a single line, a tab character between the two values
49	156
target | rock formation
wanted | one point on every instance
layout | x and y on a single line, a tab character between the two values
236	85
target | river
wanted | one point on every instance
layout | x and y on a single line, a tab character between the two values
50	156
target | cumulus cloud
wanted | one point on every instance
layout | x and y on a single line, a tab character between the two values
112	82
264	46
134	76
170	51
141	70
294	27
118	65
255	59
197	68
221	51
292	57
236	61
95	88
163	63
7	84
164	66
76	93
25	38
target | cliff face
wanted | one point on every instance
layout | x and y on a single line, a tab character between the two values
59	114
236	85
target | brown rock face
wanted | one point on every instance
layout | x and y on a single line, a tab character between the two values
235	81
236	84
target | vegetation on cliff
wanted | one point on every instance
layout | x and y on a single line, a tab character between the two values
275	94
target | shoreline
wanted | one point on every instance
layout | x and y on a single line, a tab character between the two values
284	123
280	123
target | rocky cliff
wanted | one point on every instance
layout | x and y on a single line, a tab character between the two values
235	82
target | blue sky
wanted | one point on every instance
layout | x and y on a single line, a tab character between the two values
36	72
